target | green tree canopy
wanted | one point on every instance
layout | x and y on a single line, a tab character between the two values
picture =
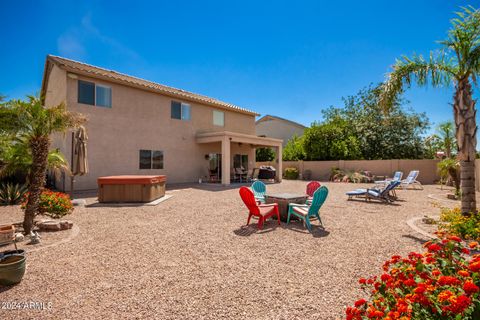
264	154
362	130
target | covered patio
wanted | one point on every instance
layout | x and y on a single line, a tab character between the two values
226	139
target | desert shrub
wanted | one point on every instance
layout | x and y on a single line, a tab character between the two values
338	175
441	283
291	173
53	204
454	222
11	194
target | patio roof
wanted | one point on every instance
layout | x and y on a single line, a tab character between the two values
256	141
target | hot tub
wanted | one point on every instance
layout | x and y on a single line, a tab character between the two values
131	188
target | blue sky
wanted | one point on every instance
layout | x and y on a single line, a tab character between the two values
286	58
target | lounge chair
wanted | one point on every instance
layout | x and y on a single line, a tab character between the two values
259	189
305	211
375	194
396	177
262	211
411	180
311	188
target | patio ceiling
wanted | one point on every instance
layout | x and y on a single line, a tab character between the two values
256	141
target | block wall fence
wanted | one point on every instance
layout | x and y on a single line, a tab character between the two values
320	170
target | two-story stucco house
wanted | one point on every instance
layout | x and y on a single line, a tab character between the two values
141	127
278	128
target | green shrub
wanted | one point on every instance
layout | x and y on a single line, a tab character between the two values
11	194
452	221
338	175
53	204
264	154
291	173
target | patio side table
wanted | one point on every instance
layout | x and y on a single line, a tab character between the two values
283	199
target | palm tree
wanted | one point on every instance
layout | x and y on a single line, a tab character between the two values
15	156
33	123
457	64
446	134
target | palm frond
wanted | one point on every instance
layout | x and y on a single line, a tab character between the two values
438	70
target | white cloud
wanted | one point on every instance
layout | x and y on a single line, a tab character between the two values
69	45
76	42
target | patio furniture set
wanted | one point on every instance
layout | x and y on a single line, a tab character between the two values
384	190
284	206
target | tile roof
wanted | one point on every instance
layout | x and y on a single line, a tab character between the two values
97	72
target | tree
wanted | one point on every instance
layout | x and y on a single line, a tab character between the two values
458	64
396	135
293	150
330	141
16	156
443	139
447	137
34	123
264	154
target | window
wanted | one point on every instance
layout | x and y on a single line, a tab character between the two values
86	92
151	159
95	95
157	159
103	96
218	118
240	161
145	159
181	111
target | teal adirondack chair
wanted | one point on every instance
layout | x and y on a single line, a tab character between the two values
259	189
305	211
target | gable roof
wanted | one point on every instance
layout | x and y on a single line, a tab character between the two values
269	117
121	78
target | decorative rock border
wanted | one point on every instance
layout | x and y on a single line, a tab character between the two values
411	224
75	231
434	197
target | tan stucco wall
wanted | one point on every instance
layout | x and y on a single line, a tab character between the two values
56	93
140	119
278	129
321	169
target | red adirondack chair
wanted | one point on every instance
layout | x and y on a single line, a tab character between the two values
311	188
262	211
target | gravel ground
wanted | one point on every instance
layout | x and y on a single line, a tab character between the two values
191	257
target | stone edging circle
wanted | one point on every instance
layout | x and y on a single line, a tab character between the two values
75	231
411	224
434	197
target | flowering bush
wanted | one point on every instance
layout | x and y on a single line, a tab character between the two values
442	283
53	204
454	222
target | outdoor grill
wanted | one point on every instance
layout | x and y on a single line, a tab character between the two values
266	173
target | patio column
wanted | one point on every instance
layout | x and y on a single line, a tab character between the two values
278	161
225	160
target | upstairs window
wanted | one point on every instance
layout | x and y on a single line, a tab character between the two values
218	118
103	97
181	111
86	92
94	94
151	159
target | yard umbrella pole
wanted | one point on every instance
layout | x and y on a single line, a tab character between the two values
79	155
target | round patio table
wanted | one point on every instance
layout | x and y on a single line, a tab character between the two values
283	199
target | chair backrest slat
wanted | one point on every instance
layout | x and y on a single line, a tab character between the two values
319	198
397	176
259	189
312	187
392	185
249	199
412	176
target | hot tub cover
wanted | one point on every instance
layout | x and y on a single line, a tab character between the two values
131	179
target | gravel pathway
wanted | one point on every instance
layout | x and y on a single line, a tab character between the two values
191	257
